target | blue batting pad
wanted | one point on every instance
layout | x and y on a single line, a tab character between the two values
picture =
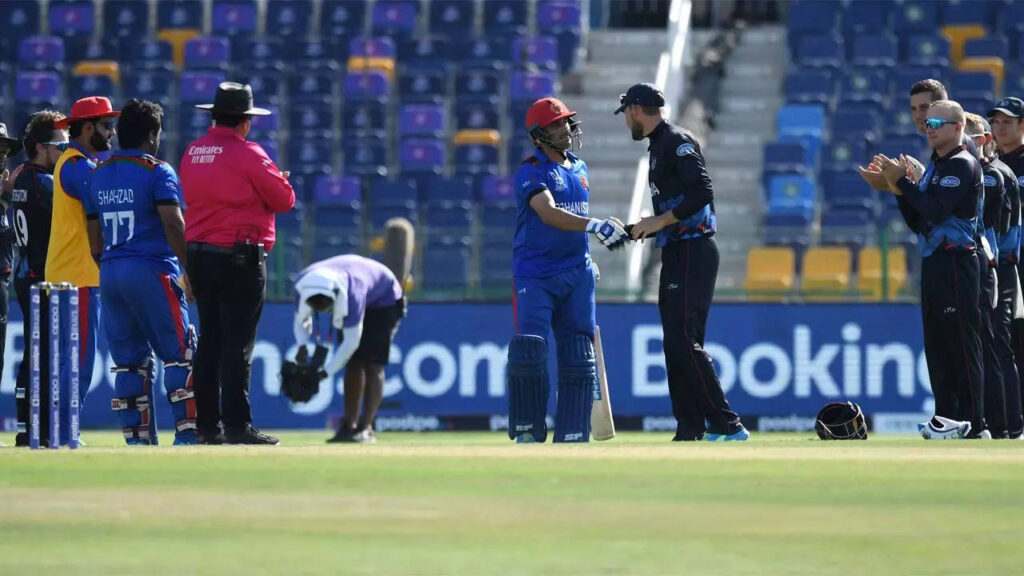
527	387
577	372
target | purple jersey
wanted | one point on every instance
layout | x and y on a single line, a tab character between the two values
370	284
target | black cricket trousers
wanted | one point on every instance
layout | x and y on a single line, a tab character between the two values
229	285
689	269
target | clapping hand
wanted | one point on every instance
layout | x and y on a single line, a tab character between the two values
891	169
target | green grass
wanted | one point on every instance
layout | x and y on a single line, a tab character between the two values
462	503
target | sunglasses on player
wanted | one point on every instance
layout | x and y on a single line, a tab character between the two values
936	123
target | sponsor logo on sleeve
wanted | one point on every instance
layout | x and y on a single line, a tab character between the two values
990	180
685	148
949	182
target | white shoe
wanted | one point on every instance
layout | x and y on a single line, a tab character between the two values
985	435
949	430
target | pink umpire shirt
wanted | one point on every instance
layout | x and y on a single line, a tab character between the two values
232	190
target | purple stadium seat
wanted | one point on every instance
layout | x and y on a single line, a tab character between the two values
369	85
400	192
498	190
41	51
208	52
376	46
72	18
36	87
539	50
454	188
234	18
18	19
338	190
529	86
271	123
558	15
394	17
200	87
421	120
421	155
289	18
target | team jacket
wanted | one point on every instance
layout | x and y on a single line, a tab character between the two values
1012	166
679	182
31	212
943	207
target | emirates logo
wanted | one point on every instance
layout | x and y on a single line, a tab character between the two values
556	107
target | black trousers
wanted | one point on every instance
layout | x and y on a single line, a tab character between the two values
21	291
230	287
950	289
689	269
995	394
1002	328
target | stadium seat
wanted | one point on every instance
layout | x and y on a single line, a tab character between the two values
31	87
527	87
267	85
177	39
958	35
266	127
477	150
846	226
870	267
310	86
208	53
372	64
784	158
792	195
72	18
987	65
179	14
826	273
372	46
304	182
866	17
446	263
125	20
844	155
991	45
557	15
338	191
235	19
83	85
539	51
154	85
907	76
771	271
367	158
306	154
815	86
422	157
342	18
422	86
489	53
789	230
1013	20
449	189
980	85
394	18
846	189
364	120
421	120
500	15
477	115
452	17
149	54
200	87
927	49
312	120
866	84
967	13
1014	83
108	68
801	120
448	218
810	16
853	124
820	51
914	16
397	192
478	86
19	20
289	18
317	56
41	53
426	53
371	86
877	50
498	190
265	54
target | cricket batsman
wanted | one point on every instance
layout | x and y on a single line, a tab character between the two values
137	232
554	280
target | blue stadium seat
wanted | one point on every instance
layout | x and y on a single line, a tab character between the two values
504	15
312	120
908	75
311	86
846	189
179	14
844	155
19	19
425	53
478	86
976	105
820	51
473	115
980	85
449	188
801	119
956	13
899	122
449	218
422	156
379	215
557	15
41	53
106	49
421	120
792	195
309	155
266	127
422	86
376	46
364	120
200	87
784	158
318	56
192	123
365	86
338	191
569	41
866	17
927	50
446	263
811	16
810	86
527	87
854	124
540	51
913	16
1013	20
519	150
289	18
498	191
72	18
473	158
452	17
367	158
395	18
846	226
910	144
149	54
266	54
496	265
1014	77
874	50
30	87
208	53
234	18
866	84
787	230
342	18
89	85
304	182
125	20
397	192
489	53
991	45
267	85
154	85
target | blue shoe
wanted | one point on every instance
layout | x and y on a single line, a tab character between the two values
134	442
740	435
186	438
525	438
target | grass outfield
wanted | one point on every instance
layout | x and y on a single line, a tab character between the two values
469	503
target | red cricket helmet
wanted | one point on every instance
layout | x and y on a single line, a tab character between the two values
546	111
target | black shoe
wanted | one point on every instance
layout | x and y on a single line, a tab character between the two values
250	435
683	438
21	439
343	435
215	438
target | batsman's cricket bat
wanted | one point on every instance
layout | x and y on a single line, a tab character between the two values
602	427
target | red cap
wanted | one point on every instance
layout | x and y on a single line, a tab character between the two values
89	108
545	111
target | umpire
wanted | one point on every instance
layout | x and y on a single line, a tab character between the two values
232	190
684	223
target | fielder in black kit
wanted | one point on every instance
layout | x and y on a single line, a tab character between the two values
684	223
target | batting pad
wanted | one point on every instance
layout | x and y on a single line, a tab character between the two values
528	387
577	372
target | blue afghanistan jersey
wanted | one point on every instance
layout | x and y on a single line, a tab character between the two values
124	195
540	250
